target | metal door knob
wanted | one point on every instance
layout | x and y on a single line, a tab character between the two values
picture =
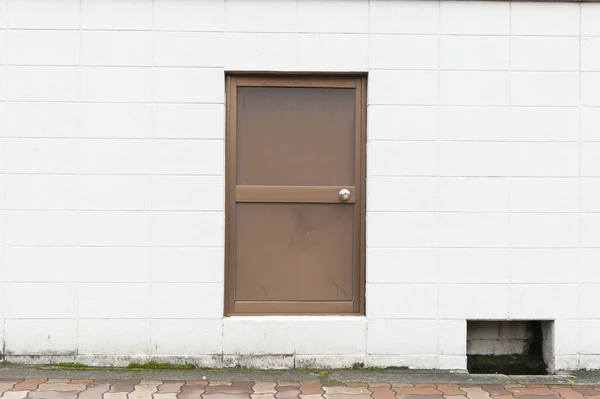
344	194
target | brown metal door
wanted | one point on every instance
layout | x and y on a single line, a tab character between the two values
295	150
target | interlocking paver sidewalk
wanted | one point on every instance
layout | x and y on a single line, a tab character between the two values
41	388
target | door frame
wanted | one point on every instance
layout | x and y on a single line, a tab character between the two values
292	79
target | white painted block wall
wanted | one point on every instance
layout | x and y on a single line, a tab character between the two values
483	176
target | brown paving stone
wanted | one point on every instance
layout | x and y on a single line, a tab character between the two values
475	392
123	386
6	385
170	387
196	383
555	396
346	390
191	392
143	391
264	388
568	393
88	381
94	391
14	394
585	390
342	396
57	380
415	390
151	382
225	396
115	395
52	395
311	388
90	389
229	389
333	384
401	385
532	391
29	384
284	392
100	382
62	387
496	390
378	385
450	389
410	396
382	393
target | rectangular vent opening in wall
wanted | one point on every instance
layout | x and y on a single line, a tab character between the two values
524	347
